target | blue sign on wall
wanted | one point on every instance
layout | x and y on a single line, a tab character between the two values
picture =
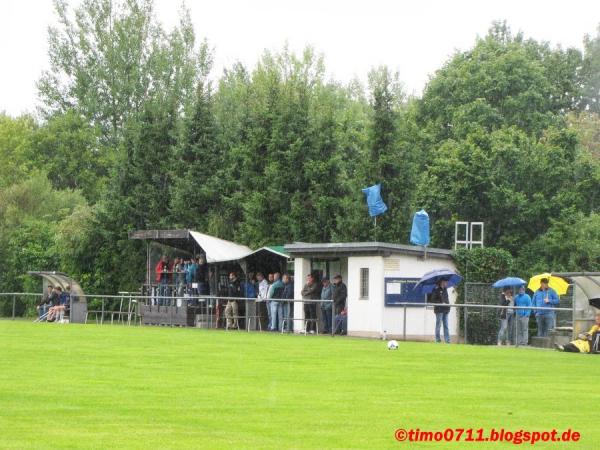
399	291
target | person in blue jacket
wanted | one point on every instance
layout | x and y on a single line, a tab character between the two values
547	298
522	316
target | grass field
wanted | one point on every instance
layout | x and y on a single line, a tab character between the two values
74	386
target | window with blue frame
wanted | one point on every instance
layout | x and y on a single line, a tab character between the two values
399	291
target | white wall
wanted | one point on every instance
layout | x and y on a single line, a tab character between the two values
301	270
371	317
364	315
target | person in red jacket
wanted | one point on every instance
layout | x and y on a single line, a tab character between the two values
162	277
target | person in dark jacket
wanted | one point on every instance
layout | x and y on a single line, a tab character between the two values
287	311
326	308
505	334
311	291
202	275
439	297
46	302
340	293
234	289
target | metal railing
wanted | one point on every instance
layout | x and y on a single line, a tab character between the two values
126	308
465	311
103	308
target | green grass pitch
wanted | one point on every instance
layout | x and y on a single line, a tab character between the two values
101	387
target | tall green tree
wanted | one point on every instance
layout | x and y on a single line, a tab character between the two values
591	73
67	147
504	80
199	166
16	141
107	58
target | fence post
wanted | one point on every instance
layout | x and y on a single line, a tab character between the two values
102	314
515	331
465	315
14	306
332	318
404	324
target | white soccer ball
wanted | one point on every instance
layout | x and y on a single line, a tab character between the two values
392	345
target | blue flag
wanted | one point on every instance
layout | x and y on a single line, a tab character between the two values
374	201
419	234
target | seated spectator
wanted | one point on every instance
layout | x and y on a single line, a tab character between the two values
582	343
61	301
341	322
45	302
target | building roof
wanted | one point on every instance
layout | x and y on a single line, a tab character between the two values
216	249
589	282
62	280
300	249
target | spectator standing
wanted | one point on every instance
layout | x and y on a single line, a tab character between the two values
250	286
522	316
547	298
179	275
311	291
286	310
202	275
506	315
162	277
326	308
191	276
339	294
275	293
263	292
439	297
270	279
234	290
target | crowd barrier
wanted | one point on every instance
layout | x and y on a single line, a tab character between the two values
206	311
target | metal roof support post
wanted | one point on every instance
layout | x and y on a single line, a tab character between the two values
148	268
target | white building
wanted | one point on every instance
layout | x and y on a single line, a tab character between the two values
380	277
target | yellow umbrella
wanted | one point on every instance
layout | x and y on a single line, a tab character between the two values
559	284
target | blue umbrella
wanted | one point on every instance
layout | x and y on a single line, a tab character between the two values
509	282
430	279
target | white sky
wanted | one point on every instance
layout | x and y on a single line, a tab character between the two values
414	37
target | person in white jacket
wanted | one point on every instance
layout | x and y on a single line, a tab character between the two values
263	293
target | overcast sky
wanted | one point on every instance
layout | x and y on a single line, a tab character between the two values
413	37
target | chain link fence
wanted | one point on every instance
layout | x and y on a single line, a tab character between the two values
483	324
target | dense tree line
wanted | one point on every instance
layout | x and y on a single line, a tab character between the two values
134	132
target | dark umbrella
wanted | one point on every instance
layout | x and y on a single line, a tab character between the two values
430	279
595	302
509	282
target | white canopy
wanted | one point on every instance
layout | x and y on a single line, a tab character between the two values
219	250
